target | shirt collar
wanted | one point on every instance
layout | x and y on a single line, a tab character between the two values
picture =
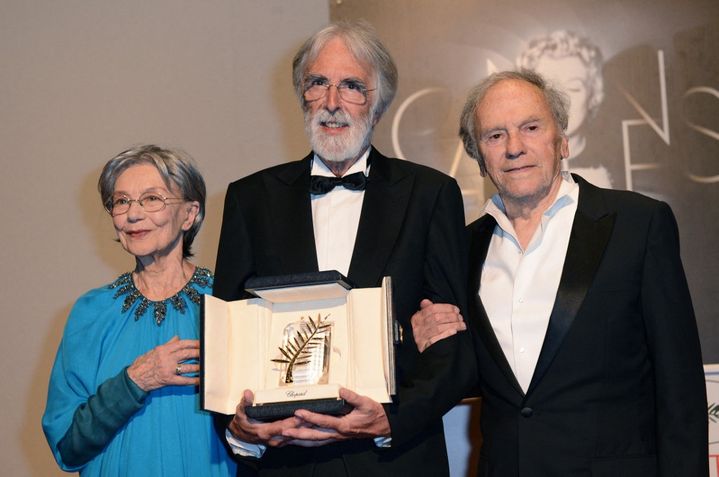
320	169
568	194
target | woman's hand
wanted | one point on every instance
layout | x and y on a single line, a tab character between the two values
165	365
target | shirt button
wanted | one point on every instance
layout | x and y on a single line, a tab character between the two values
526	412
521	350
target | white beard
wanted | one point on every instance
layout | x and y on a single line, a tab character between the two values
338	148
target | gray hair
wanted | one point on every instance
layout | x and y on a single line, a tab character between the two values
556	100
561	44
361	39
175	167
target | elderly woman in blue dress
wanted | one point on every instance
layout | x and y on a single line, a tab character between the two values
123	394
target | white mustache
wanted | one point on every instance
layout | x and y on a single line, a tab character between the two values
337	119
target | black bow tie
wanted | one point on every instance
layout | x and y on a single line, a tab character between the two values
322	184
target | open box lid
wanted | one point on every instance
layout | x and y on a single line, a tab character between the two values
299	286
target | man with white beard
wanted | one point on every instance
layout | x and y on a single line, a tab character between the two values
347	207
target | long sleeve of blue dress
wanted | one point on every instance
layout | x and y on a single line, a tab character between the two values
96	422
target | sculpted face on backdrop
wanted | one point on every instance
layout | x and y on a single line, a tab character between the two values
575	64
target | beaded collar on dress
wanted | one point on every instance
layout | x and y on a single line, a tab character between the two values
125	286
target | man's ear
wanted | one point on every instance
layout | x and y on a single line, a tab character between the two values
564	147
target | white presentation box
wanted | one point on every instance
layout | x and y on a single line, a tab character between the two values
296	344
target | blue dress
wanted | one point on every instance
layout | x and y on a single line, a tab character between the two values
94	411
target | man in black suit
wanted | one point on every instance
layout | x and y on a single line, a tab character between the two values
587	347
347	207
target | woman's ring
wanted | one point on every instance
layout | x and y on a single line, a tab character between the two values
178	369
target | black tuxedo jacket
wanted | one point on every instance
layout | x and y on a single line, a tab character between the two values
618	389
412	229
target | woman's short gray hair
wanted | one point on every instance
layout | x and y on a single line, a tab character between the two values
361	39
561	44
556	100
175	167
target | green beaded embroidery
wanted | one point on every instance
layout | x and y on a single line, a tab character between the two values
125	286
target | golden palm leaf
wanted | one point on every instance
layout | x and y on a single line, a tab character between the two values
298	349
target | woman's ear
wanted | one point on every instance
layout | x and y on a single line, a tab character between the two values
192	209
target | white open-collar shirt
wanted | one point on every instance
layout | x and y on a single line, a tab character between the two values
518	287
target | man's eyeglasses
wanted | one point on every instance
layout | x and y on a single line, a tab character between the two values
350	91
149	202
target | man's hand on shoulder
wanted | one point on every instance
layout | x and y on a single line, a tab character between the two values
434	322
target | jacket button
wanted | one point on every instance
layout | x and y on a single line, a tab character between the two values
526	412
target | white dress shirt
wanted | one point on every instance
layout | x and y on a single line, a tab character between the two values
518	287
335	219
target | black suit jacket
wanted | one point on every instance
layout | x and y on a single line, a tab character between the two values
412	229
618	389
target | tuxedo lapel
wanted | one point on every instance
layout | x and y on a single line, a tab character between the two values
291	213
383	208
590	234
480	236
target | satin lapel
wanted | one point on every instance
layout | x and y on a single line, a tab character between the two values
291	211
479	239
587	242
383	208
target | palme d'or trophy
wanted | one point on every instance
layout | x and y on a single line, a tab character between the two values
305	352
296	343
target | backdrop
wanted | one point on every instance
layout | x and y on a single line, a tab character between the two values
81	80
643	77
